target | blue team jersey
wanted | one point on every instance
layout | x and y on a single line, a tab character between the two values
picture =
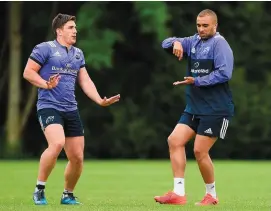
210	62
55	58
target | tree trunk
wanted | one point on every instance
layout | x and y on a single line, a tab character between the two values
3	79
14	80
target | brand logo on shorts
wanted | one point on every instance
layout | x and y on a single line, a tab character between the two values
209	131
49	119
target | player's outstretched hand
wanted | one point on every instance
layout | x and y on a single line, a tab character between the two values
108	101
53	81
178	49
187	80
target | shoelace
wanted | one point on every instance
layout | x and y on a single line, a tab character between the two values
71	196
40	194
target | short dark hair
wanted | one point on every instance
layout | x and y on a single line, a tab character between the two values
208	12
60	20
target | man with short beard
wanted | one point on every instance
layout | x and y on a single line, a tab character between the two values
209	104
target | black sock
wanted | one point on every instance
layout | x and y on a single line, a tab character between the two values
66	191
40	187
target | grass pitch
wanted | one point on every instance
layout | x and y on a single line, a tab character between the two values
131	186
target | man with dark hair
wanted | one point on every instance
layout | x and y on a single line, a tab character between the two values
54	67
209	104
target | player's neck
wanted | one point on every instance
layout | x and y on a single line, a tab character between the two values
64	44
207	38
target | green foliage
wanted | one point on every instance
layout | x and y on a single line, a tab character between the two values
123	41
153	17
151	106
96	41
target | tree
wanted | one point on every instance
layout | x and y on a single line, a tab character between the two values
115	53
17	117
13	119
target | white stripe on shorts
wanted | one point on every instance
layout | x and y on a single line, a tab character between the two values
224	127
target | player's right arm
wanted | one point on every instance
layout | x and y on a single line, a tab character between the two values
179	45
36	60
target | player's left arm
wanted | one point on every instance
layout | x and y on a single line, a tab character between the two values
90	89
223	65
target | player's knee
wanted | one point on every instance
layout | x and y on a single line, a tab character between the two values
174	142
56	147
77	159
199	154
